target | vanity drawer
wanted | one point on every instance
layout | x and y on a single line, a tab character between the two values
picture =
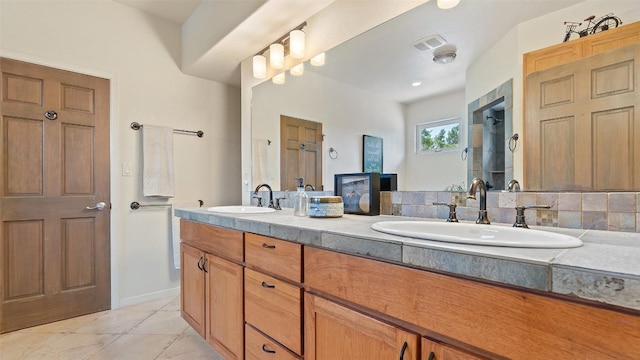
274	307
277	257
258	346
222	242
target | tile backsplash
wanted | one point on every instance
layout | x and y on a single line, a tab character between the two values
617	211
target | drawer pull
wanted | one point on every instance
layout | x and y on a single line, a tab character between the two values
264	348
199	261
267	286
432	355
404	348
204	265
266	246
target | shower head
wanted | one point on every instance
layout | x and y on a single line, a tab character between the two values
495	120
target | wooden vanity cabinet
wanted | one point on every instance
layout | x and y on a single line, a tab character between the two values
333	331
488	320
581	48
273	293
211	288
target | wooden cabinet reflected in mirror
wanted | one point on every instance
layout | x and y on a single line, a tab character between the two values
582	121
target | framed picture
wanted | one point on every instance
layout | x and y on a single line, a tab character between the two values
371	154
360	192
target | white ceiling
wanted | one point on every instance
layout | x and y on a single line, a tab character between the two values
176	11
382	60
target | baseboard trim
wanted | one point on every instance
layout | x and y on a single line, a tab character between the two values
135	300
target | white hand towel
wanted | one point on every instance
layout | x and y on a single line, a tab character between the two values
259	158
175	236
157	148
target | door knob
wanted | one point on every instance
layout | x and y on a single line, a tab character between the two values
99	206
51	115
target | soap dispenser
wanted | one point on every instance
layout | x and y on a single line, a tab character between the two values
301	200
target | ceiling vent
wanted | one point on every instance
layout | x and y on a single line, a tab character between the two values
429	43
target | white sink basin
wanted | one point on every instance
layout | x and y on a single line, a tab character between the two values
240	209
477	234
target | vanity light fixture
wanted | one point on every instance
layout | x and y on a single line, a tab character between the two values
447	4
318	60
291	43
279	79
297	70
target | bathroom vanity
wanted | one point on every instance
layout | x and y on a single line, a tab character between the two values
277	286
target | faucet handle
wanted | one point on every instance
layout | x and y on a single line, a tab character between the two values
277	206
452	211
259	200
520	220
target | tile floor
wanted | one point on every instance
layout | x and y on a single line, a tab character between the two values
152	330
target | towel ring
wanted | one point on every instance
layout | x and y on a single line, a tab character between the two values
333	153
513	143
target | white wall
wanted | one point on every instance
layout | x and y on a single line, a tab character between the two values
490	70
435	171
139	54
346	113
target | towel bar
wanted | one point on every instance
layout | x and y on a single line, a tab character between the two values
199	133
136	205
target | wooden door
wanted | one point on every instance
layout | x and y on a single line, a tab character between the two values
300	152
333	332
583	124
55	170
224	306
192	292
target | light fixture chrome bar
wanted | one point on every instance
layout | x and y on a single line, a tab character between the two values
283	39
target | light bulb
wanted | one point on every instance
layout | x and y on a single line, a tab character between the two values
297	70
276	56
447	4
259	67
318	60
296	44
278	79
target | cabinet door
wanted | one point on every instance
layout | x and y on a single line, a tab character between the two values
333	331
225	321
432	350
192	287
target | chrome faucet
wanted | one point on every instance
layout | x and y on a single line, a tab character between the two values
270	194
513	186
482	214
309	186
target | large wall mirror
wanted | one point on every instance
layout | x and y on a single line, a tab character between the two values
364	88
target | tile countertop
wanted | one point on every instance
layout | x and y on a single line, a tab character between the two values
605	269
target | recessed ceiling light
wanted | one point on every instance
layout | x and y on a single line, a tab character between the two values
416	83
